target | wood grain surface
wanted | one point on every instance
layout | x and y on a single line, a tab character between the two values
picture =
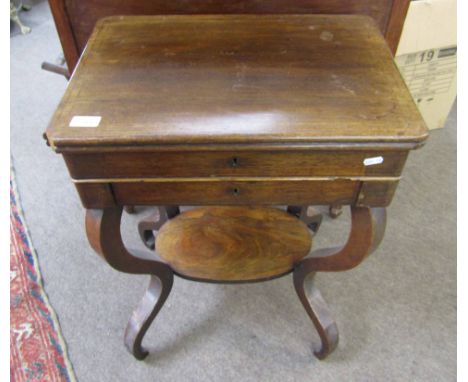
85	13
237	79
75	19
107	165
237	192
233	243
66	32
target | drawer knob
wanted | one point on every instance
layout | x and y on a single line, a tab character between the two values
234	162
236	191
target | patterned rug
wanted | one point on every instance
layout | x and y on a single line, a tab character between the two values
37	349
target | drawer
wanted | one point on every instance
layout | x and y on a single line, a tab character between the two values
265	192
300	163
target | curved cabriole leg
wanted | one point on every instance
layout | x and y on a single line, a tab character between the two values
318	311
141	319
367	230
103	230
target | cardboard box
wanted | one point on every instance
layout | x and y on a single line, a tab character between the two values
427	57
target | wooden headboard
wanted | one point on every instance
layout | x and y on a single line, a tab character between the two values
75	19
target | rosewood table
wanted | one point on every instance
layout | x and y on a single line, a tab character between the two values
239	115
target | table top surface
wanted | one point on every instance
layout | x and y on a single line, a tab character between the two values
237	79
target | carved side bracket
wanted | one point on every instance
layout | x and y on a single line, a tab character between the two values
367	230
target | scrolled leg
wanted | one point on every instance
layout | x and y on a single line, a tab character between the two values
141	319
318	311
367	230
103	230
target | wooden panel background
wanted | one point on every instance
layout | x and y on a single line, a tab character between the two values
75	19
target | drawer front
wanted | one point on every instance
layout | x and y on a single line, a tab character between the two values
206	192
149	165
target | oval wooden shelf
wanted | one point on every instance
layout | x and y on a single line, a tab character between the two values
233	243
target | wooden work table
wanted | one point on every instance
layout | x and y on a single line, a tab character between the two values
239	110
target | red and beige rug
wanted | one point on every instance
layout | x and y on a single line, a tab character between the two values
37	349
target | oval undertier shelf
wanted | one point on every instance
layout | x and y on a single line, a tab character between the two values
233	243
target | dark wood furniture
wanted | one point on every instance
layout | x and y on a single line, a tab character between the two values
235	111
75	19
229	244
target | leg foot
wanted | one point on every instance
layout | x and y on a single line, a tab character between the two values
318	312
141	319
